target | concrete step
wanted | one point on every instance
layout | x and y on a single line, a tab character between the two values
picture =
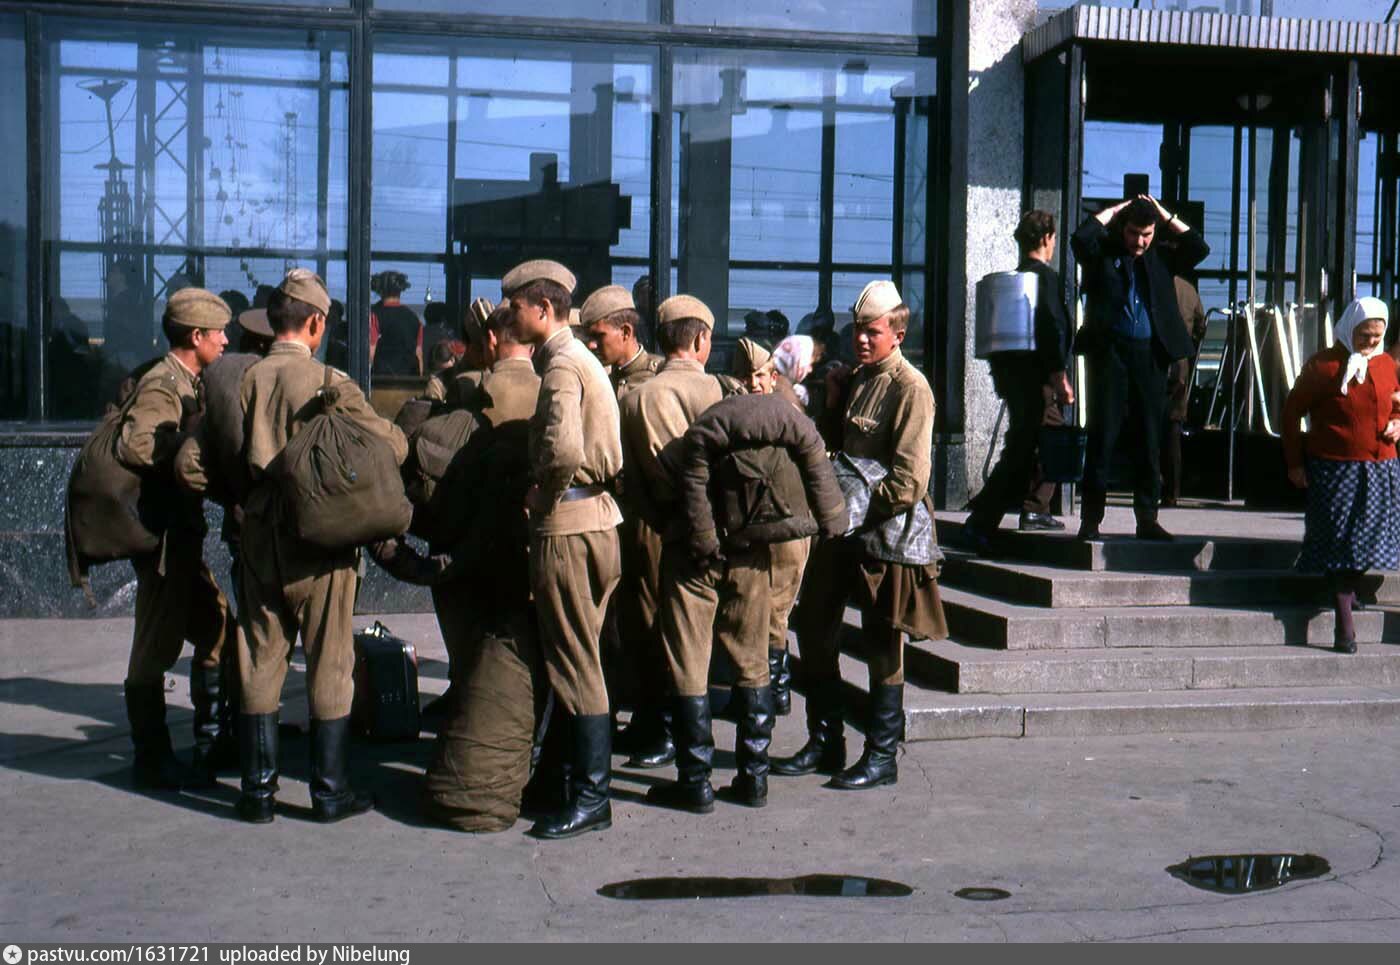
934	716
959	668
1035	584
980	620
1126	553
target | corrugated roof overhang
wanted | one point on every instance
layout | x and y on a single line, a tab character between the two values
1182	29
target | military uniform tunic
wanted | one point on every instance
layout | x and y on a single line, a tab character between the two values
575	564
639	370
290	587
176	596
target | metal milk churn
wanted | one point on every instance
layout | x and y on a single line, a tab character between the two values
1006	313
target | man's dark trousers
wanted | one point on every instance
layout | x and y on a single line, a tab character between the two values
1127	391
1018	380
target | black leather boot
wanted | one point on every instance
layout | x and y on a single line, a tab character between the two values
653	746
750	785
825	750
332	798
780	681
206	694
695	754
257	752
590	808
154	765
877	765
548	792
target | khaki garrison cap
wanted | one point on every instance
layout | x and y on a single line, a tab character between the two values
604	302
876	300
197	308
474	323
541	269
305	285
677	307
254	321
750	357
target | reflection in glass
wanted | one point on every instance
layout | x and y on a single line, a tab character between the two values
614	10
903	17
487	153
185	157
14	313
799	178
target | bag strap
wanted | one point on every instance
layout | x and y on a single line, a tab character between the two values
329	396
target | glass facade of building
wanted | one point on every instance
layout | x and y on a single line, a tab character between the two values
762	155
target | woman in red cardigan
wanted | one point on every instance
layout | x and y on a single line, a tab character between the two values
1346	459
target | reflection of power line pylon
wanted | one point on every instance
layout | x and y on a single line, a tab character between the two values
115	207
289	184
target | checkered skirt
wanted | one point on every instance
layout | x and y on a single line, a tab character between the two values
1353	516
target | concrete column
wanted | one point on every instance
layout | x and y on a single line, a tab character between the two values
989	198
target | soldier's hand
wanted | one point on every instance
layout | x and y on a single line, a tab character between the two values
1392	430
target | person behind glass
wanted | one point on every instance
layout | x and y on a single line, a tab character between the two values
1346	460
395	332
1018	378
1132	332
1193	313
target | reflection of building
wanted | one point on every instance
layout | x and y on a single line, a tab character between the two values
761	155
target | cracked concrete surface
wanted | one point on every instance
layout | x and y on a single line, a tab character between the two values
1079	831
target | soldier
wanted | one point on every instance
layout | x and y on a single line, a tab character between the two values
456	388
290	587
752	471
208	464
176	596
575	457
610	318
654	415
889	420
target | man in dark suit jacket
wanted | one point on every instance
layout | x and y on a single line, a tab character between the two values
1132	333
1018	378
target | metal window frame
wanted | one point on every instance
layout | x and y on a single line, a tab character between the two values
361	24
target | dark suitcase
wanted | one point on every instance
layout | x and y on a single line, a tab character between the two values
385	707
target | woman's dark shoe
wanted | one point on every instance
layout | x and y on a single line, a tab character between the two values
1345	645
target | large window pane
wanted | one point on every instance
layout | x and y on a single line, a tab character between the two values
490	152
627	10
796	173
14	314
902	17
1332	10
184	156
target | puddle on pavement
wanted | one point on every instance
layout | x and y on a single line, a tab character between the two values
810	886
1240	874
982	894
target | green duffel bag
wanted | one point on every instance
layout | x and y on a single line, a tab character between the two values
340	482
431	472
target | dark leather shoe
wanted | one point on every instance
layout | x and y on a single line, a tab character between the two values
154	765
974	541
660	752
1089	533
1039	523
695	798
751	792
1153	531
1345	646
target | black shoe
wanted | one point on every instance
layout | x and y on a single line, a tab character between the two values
974	540
651	742
1345	645
1153	531
877	765
780	681
590	782
750	785
257	740
825	750
154	765
1089	532
1039	523
332	798
695	751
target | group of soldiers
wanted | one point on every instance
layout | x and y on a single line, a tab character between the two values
627	513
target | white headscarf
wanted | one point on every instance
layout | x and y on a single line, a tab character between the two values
1359	311
793	358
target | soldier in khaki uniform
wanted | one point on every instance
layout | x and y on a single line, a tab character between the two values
288	586
654	415
176	596
575	562
456	387
610	319
753	365
889	418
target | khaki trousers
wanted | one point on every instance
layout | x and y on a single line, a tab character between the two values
319	607
728	602
789	561
638	673
831	573
573	577
183	604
